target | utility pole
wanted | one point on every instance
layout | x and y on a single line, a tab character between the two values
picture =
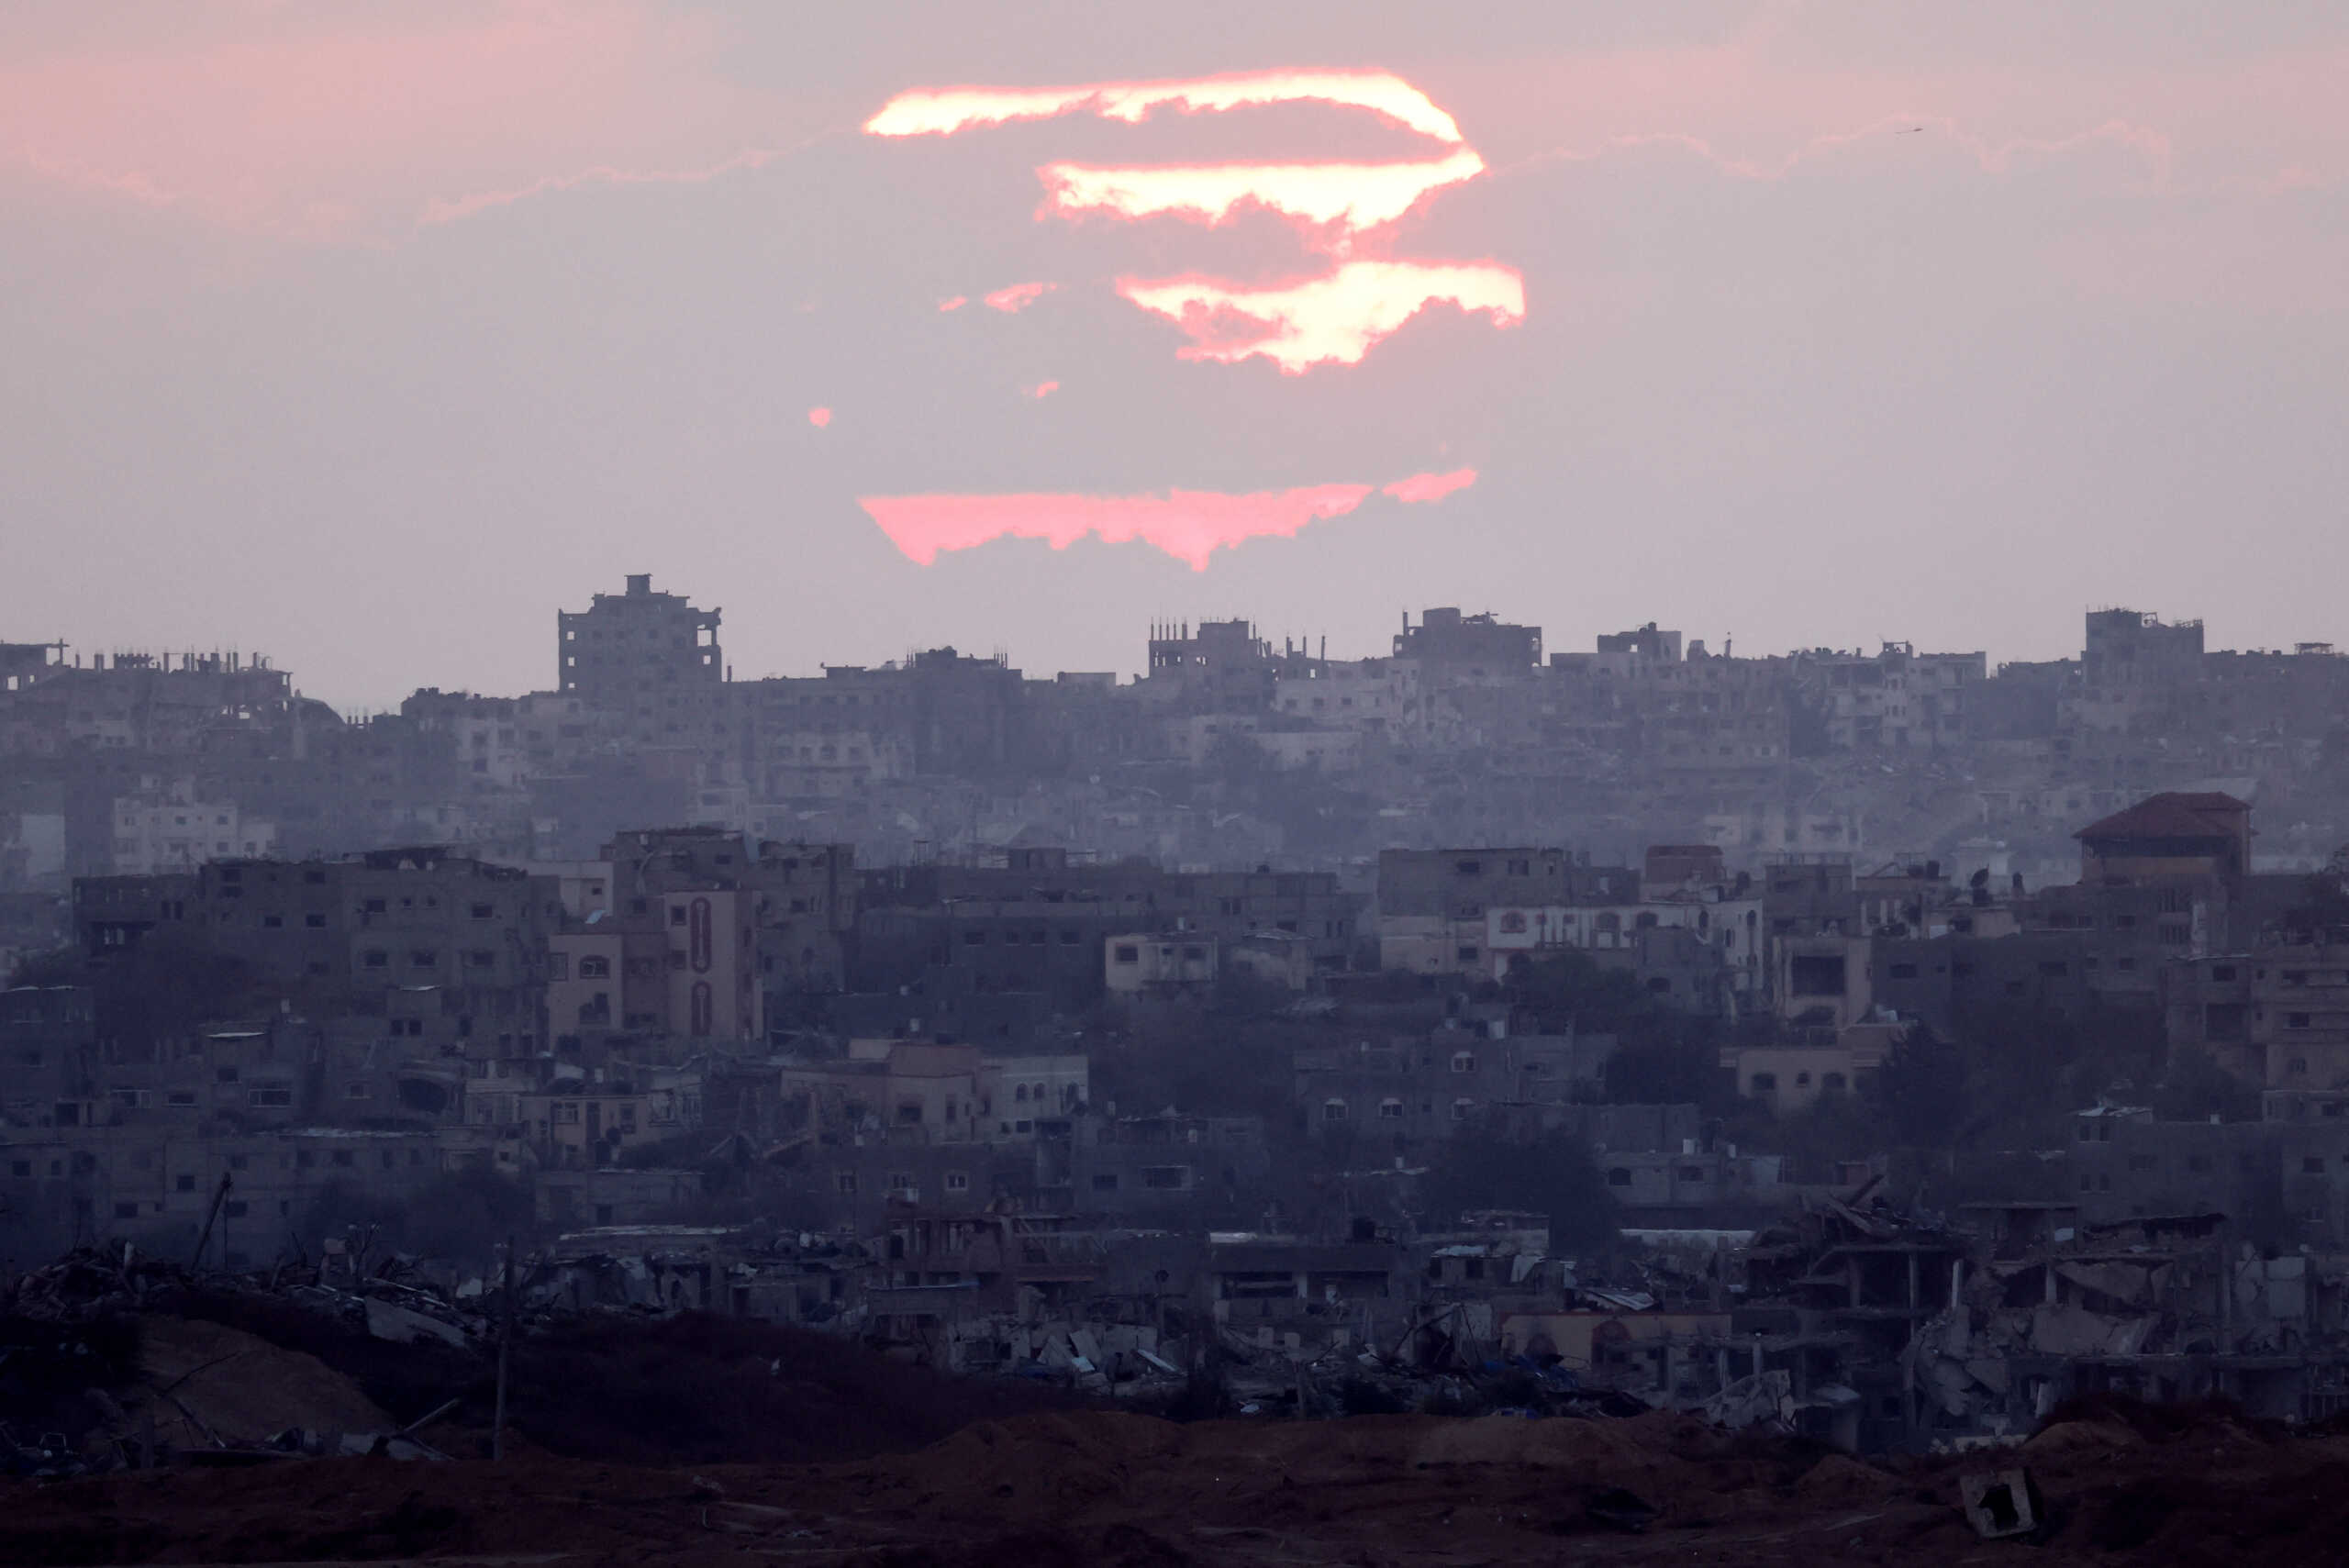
505	1355
219	1197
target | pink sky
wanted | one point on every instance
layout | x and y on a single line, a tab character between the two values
546	287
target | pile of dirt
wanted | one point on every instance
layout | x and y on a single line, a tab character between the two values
707	1389
1093	1486
209	1383
693	1388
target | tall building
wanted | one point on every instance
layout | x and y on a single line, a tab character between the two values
651	658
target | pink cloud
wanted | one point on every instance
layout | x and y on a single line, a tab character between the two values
314	125
943	111
955	303
1350	196
1045	389
819	417
1333	319
1190	524
1018	297
1429	486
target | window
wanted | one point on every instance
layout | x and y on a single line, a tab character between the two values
594	966
1689	1173
1833	1083
1166	1178
2198	1163
267	1098
185	1182
315	922
2143	1162
375	958
1390	1110
1903	972
1126	951
958	1181
1462	1109
1762	1084
358	1092
1333	1110
481	958
1464	1062
1467	954
844	1183
2295	1020
2312	1164
1104	1182
1617	1177
424	957
235	1208
125	1211
485	911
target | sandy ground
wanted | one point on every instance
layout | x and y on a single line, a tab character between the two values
1115	1489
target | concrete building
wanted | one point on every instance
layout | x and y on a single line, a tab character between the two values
1137	965
171	831
652	660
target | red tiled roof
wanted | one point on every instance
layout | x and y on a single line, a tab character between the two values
2171	816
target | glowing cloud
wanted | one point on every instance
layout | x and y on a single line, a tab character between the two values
820	418
1333	319
1190	524
1018	297
1353	196
1043	389
942	111
1429	486
956	303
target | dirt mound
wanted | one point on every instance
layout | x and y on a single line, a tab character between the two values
727	1390
1091	1487
2079	1439
206	1380
696	1388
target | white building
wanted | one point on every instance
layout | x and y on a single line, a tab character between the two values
174	832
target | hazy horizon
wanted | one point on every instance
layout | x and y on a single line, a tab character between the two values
367	337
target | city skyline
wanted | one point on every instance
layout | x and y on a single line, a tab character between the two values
1895	322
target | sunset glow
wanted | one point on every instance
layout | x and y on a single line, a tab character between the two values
1043	389
1353	196
1018	297
954	303
820	418
1190	524
1429	486
1335	319
942	111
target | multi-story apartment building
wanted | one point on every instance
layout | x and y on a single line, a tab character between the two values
652	658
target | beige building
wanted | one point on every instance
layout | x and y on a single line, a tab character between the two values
1161	964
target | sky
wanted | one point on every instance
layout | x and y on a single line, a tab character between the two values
366	334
